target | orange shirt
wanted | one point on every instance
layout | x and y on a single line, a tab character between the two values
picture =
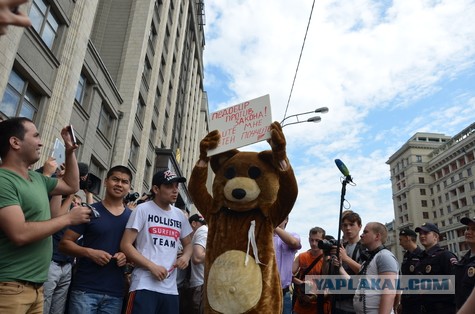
305	259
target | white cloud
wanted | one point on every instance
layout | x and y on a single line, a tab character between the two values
373	63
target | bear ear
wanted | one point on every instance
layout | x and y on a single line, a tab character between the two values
217	160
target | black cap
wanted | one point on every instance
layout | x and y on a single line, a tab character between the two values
197	218
466	221
407	232
166	177
427	227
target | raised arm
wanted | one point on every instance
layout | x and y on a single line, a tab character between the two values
69	183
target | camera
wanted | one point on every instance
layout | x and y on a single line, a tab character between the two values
327	245
131	197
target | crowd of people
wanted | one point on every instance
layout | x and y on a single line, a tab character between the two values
366	255
101	261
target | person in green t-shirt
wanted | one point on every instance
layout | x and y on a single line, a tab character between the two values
26	222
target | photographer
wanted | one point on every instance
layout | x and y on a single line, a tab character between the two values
350	255
310	263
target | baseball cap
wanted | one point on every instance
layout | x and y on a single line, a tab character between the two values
166	177
408	232
197	218
466	221
427	227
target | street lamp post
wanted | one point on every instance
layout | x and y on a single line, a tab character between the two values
311	119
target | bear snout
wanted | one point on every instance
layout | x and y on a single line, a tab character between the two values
241	190
239	193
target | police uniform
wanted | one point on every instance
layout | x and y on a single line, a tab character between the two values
436	261
464	272
464	278
410	302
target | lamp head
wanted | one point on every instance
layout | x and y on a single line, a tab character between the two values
314	119
321	110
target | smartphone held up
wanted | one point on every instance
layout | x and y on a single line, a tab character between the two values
72	134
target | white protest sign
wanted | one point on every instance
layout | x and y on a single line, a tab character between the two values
242	124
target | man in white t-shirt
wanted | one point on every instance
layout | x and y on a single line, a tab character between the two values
151	241
200	235
378	262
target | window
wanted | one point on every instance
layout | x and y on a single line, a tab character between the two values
418	158
423	191
96	168
134	152
81	90
19	100
147	70
44	21
424	203
434	213
148	172
152	38
153	134
469	172
421	180
140	113
105	122
419	169
425	215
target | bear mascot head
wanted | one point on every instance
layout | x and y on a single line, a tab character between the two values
253	192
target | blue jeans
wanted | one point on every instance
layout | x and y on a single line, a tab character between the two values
287	309
56	288
81	302
145	302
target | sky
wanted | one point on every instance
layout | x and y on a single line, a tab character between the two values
385	70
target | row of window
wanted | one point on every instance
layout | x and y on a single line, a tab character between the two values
22	100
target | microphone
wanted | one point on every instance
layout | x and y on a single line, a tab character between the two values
343	169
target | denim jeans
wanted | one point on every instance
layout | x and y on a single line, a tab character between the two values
287	308
81	302
56	288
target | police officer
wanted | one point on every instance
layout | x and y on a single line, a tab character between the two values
408	241
435	260
465	268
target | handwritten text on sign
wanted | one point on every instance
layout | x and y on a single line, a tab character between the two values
242	124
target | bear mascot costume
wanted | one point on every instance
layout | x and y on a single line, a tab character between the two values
253	192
